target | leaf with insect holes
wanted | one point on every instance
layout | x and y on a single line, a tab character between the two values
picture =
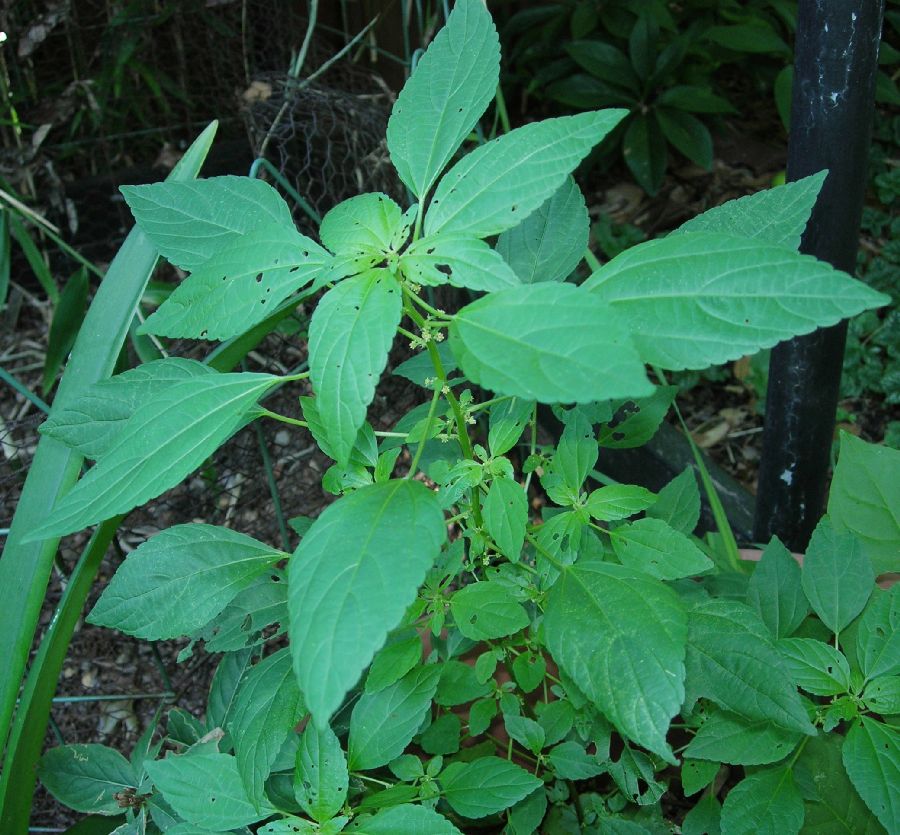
350	334
815	666
458	259
541	342
701	298
618	501
505	516
240	284
362	224
764	801
484	611
871	756
320	778
350	580
485	786
650	545
726	737
444	98
87	778
550	242
878	637
190	222
500	183
636	420
164	441
177	581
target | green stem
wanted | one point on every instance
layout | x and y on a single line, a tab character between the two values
488	403
283	418
592	260
428	423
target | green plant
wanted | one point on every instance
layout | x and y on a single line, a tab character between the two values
564	645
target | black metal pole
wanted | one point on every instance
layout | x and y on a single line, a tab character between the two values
836	57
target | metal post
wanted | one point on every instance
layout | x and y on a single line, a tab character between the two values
831	118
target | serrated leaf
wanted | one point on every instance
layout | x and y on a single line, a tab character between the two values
229	672
383	723
266	707
697	774
621	636
882	695
618	501
445	96
487	610
87	778
241	622
775	591
320	777
458	259
878	638
741	295
190	222
486	786
837	576
529	670
505	516
636	420
90	421
179	580
651	546
374	545
871	756
407	818
540	342
703	818
361	224
816	667
164	441
500	183
508	420
571	761
556	718
732	661
575	457
459	684
526	816
528	733
442	736
729	738
206	790
865	499
394	661
678	503
350	334
777	216
551	241
240	284
764	803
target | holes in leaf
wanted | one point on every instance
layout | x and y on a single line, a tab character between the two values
259	278
429	251
293	269
224	278
306	253
203	333
444	268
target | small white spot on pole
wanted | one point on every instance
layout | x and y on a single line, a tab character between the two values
787	477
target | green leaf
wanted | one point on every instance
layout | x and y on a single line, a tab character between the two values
241	623
383	723
408	819
541	342
618	501
458	259
732	661
481	714
741	295
503	181
177	581
651	546
556	718
678	503
882	695
550	242
871	756
878	638
606	62
376	545
584	92
507	422
505	516
240	284
459	684
688	134
775	590
350	334
229	672
729	738
694	100
206	790
703	818
191	221
697	774
528	733
755	37
487	610
571	761
816	667
485	786
776	216
636	420
764	803
266	707
445	96
526	816
529	670
68	315
394	661
91	420
419	367
362	224
837	576
169	437
575	457
320	777
865	499
87	778
443	735
621	636
644	149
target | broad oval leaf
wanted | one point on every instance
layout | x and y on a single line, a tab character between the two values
486	610
651	546
764	803
505	516
320	778
500	183
678	503
458	259
350	334
239	285
190	222
701	298
383	723
621	636
728	738
815	666
878	638
507	422
408	819
547	342
775	590
871	756
179	580
486	786
636	420
160	444
350	580
619	501
551	241
445	96
364	223
87	778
